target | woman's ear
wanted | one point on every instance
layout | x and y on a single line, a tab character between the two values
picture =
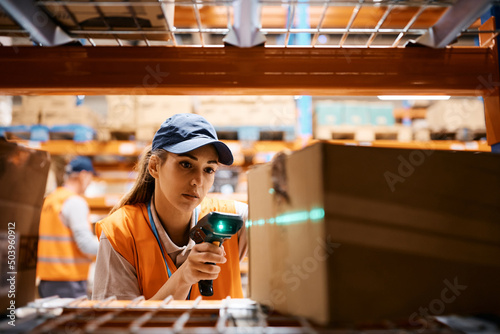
153	165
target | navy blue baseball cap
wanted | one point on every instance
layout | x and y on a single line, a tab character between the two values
79	164
182	133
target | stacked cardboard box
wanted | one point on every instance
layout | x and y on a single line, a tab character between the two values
265	111
20	117
143	114
152	111
117	17
5	110
6	21
23	175
361	119
54	110
343	234
121	113
452	115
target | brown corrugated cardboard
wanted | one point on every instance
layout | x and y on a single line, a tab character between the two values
248	110
455	114
121	113
119	16
23	175
154	110
143	111
376	233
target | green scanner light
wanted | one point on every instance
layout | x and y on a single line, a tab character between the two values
225	227
216	226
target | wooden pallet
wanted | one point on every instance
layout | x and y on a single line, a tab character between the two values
142	134
256	133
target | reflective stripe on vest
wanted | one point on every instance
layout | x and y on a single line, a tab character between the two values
62	260
55	238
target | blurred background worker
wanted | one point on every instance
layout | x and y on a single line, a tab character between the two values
66	244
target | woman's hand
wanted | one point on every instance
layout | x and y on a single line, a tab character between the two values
201	263
193	270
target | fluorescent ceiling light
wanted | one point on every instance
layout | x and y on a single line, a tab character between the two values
413	97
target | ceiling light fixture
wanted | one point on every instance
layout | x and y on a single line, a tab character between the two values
412	97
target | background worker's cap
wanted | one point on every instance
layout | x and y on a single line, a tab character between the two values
79	164
182	133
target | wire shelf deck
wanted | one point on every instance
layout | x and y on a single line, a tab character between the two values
343	23
63	315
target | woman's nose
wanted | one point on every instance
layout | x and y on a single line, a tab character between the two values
197	179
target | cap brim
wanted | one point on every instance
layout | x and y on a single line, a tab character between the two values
225	155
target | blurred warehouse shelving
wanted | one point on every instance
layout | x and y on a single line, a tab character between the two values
247	119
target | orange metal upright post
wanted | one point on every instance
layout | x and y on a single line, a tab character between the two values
490	87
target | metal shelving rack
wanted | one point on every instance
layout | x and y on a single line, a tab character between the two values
55	315
118	23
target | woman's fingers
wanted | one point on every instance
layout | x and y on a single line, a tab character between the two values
208	247
207	257
207	268
202	261
206	252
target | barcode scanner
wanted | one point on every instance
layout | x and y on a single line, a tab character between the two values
214	228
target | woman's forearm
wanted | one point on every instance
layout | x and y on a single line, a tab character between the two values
175	286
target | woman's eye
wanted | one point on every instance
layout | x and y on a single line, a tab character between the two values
185	164
209	170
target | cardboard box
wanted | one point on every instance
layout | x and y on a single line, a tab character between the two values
121	113
356	113
54	110
36	104
133	113
381	114
452	115
376	233
23	175
6	22
247	111
154	110
5	110
115	17
329	113
81	115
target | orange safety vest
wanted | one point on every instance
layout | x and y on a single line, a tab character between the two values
129	232
59	258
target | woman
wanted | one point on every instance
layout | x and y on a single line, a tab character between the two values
144	244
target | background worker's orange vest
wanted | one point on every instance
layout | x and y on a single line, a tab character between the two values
129	232
59	258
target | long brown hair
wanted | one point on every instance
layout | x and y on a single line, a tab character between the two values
144	185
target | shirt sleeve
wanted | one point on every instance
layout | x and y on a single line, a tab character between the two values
114	275
242	210
75	212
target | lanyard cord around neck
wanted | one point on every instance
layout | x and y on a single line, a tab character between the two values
155	232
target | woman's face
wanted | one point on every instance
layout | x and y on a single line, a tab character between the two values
184	179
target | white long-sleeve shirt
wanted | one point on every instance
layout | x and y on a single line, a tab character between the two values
74	214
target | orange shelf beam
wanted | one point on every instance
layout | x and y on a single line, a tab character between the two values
450	145
229	70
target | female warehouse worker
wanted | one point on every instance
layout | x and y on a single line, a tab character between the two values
145	247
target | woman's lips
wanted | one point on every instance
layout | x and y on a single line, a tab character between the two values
191	196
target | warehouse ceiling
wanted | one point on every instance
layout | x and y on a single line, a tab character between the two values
279	23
